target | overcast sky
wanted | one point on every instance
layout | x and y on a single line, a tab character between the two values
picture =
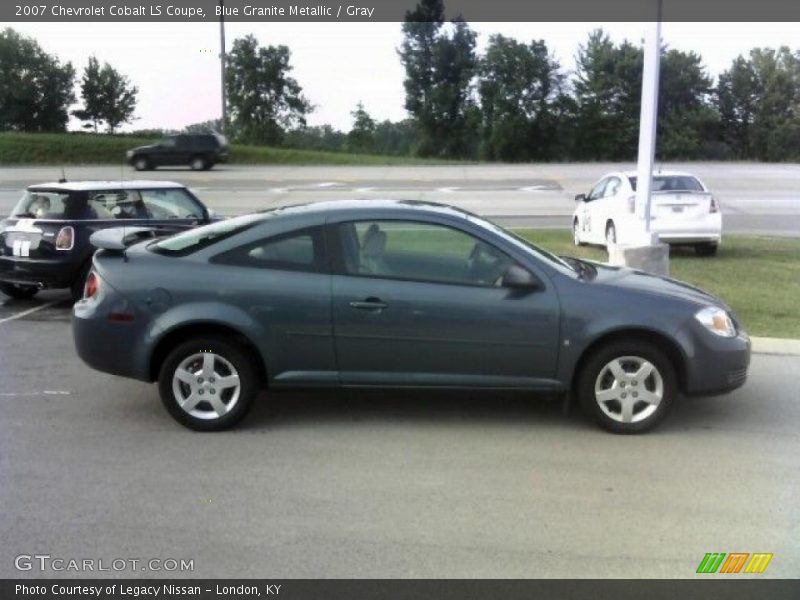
176	66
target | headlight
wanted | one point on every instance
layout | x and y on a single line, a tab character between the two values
129	153
717	321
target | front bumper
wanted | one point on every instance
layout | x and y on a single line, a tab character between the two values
716	365
41	273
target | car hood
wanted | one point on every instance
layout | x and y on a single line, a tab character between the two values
648	283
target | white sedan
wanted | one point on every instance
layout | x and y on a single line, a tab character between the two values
683	211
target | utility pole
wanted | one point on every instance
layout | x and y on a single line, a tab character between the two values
222	65
648	120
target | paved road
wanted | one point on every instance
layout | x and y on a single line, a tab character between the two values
756	198
385	484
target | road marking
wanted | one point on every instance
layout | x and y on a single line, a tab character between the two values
535	188
278	190
365	190
325	184
25	313
45	392
447	190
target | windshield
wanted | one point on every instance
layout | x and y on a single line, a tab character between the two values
672	183
48	205
193	240
512	237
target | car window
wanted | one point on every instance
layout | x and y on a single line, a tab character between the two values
117	204
672	183
597	190
412	250
612	187
188	242
301	250
42	205
168	142
171	204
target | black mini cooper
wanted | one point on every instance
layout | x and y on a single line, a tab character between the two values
45	241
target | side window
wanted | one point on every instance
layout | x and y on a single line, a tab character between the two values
419	251
169	142
612	187
302	250
171	204
118	204
597	190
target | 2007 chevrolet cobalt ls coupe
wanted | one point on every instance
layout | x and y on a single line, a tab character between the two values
395	294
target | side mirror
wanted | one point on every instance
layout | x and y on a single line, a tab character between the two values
580	198
518	278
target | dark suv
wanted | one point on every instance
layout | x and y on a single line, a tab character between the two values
200	151
45	241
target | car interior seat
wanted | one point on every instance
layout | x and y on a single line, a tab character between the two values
373	248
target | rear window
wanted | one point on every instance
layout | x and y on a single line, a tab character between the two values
42	205
193	240
672	183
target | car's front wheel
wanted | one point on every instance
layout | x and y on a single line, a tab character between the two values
627	387
208	384
18	292
142	163
198	163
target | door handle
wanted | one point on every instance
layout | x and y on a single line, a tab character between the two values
370	303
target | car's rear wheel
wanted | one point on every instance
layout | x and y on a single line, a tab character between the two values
198	163
208	384
18	292
707	249
142	163
627	387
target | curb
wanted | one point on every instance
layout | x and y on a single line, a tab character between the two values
776	346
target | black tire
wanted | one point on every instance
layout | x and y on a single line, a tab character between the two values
611	232
76	289
198	163
142	163
596	366
707	249
222	348
19	292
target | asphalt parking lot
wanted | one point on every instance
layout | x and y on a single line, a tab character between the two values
368	484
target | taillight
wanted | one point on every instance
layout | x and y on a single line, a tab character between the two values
714	208
92	285
65	239
632	204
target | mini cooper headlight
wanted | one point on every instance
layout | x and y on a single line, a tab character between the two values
717	321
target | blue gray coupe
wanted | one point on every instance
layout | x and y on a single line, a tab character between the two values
394	294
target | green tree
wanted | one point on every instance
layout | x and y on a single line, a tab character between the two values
35	88
263	99
440	63
108	97
361	137
737	97
518	85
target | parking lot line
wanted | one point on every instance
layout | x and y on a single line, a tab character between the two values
25	313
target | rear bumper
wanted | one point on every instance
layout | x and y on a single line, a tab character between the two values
673	231
49	273
106	345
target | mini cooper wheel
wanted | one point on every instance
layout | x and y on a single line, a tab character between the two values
627	387
19	292
207	384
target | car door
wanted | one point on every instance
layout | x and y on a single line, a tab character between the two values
604	207
418	303
283	282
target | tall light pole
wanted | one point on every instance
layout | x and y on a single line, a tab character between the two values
222	64
648	120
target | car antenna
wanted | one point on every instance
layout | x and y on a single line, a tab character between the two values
63	176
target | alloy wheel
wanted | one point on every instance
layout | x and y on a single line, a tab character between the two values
206	386
629	389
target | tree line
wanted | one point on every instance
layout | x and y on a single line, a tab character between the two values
513	102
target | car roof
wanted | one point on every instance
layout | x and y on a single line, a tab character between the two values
90	186
341	207
660	173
